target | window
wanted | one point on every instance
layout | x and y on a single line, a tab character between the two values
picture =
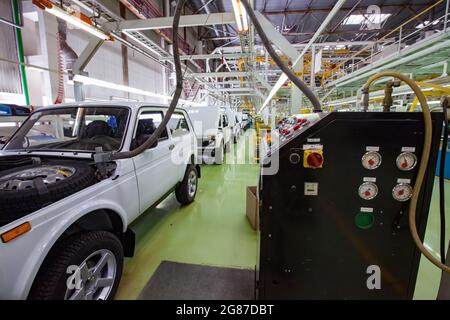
225	121
72	128
148	121
5	111
178	124
363	19
21	111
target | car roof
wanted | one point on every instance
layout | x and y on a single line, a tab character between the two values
129	104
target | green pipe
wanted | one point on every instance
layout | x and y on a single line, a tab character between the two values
21	56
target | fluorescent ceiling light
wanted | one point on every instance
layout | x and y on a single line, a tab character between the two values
240	15
75	21
364	19
8	124
114	86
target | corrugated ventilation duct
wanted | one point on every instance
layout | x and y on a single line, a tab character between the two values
65	54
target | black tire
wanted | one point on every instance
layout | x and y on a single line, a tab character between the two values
15	204
182	192
51	280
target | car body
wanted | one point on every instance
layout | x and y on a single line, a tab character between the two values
11	117
213	130
245	121
234	124
239	120
135	184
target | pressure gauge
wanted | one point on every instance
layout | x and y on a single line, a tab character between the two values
406	161
368	190
402	192
371	160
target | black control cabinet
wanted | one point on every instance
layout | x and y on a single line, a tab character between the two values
313	246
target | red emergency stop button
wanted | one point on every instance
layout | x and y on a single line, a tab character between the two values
313	159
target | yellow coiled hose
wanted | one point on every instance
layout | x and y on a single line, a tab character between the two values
423	163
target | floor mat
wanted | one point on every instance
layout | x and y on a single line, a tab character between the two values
182	281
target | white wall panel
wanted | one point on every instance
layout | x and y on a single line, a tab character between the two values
107	65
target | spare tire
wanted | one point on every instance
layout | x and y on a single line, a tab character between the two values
26	189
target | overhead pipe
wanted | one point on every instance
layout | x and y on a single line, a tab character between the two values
284	77
205	6
287	71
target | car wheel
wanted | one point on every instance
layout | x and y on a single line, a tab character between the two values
187	189
19	194
86	266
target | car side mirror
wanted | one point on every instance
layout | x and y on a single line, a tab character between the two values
154	145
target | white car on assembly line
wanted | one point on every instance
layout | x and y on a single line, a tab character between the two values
64	217
214	133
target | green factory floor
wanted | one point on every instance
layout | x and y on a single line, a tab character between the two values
214	230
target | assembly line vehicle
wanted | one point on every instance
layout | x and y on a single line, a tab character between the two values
11	117
214	133
63	217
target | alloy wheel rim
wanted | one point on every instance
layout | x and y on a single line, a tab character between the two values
24	179
192	183
95	279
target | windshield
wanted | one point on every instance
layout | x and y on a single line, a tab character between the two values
72	129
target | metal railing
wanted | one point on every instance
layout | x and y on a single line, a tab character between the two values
394	43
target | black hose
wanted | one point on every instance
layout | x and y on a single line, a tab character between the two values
173	104
266	42
442	179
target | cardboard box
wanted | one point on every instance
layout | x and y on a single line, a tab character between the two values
253	207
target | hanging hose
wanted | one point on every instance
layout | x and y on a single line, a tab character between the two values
442	178
423	162
66	58
60	57
276	58
173	104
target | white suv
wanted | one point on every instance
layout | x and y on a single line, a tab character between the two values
63	217
213	131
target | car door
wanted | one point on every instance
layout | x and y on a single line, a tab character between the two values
154	168
180	133
226	129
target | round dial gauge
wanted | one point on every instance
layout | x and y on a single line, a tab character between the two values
402	192
406	161
371	160
368	190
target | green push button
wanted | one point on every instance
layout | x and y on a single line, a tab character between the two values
364	220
